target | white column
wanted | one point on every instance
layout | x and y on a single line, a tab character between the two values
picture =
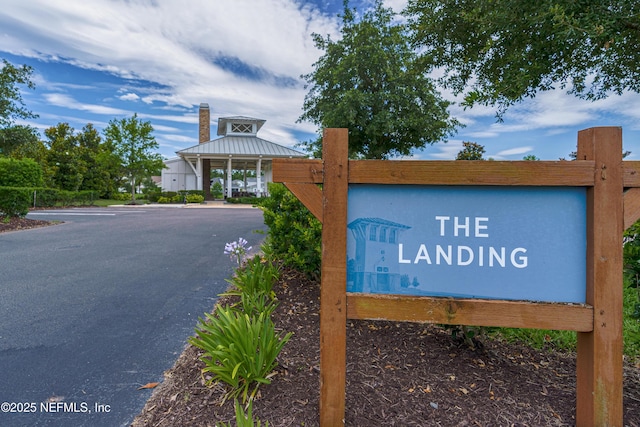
229	178
199	173
259	178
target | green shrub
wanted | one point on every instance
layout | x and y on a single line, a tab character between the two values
121	196
153	194
294	233
20	173
169	194
566	340
242	419
245	200
195	198
66	198
631	254
46	197
163	199
240	350
85	197
253	284
216	190
255	277
15	201
631	319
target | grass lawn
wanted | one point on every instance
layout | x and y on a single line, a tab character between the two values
110	202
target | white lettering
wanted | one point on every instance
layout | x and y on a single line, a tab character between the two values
442	219
422	254
493	255
401	259
523	259
457	226
469	252
481	256
441	253
481	227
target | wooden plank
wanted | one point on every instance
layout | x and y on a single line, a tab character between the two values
631	173
599	358
333	297
297	170
310	195
474	312
472	172
433	172
631	207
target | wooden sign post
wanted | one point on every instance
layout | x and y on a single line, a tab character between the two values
599	177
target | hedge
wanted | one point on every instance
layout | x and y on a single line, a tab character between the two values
20	173
16	201
172	196
295	235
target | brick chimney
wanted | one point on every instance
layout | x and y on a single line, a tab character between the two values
204	123
204	135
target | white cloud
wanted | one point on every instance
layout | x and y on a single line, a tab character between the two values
129	97
178	46
67	101
514	151
173	53
443	151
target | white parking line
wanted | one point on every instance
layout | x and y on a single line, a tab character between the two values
72	213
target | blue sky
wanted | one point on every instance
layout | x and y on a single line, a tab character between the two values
108	59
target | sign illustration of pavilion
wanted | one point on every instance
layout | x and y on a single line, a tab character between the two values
239	148
372	266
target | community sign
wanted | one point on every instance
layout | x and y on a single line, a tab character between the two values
509	243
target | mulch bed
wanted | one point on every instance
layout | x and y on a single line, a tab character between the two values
398	374
15	224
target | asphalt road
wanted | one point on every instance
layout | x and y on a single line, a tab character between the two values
102	304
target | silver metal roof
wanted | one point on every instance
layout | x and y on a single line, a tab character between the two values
241	146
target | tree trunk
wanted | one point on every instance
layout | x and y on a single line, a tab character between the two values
133	190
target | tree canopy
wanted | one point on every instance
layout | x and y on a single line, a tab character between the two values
471	151
368	82
11	104
80	160
12	107
503	51
132	141
17	139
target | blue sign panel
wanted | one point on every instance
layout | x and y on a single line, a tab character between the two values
509	243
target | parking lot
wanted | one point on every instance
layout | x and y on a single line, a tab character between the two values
102	304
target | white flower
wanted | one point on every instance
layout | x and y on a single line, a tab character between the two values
237	250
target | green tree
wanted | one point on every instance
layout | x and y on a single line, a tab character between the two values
531	157
503	51
81	160
12	107
30	147
471	151
13	138
11	104
67	168
133	142
369	83
102	172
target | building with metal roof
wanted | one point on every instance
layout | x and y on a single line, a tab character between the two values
239	148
